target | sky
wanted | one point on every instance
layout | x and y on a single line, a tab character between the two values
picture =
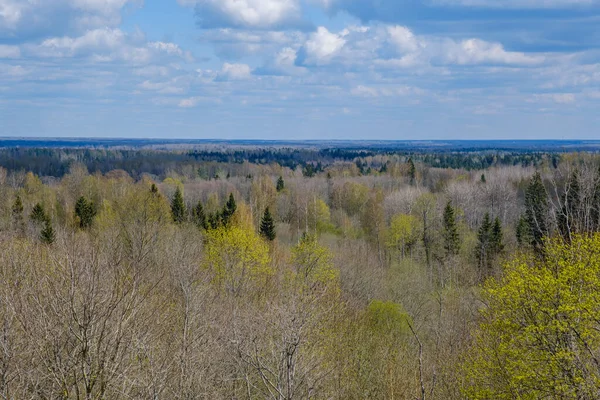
301	69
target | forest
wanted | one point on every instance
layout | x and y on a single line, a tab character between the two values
280	273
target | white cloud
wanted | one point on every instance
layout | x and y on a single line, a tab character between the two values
235	72
403	38
9	51
559	98
519	4
476	51
246	13
322	46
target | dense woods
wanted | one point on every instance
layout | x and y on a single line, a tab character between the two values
300	274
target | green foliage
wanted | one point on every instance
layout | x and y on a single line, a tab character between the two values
484	249
387	318
536	212
38	214
85	212
280	184
412	171
200	217
47	235
451	236
483	179
267	226
595	212
497	237
403	233
540	335
523	232
228	210
178	209
17	208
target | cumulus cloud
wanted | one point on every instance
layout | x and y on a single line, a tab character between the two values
261	14
9	51
321	47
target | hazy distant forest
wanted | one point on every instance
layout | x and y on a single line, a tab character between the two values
299	274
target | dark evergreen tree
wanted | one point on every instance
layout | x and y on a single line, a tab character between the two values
497	238
178	210
280	184
536	212
483	180
451	237
523	232
38	214
200	217
228	210
214	220
412	171
85	212
17	215
47	235
154	189
484	246
267	226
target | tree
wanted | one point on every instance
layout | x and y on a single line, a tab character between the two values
536	212
85	212
451	237
483	179
178	210
497	238
569	214
267	226
228	210
200	217
523	232
47	235
280	184
540	336
595	211
484	246
38	214
17	212
154	189
403	233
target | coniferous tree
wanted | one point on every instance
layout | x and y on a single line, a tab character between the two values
536	212
214	220
483	179
154	189
47	235
38	214
523	232
85	212
200	217
178	210
267	226
412	171
280	184
451	237
497	238
484	245
228	210
17	214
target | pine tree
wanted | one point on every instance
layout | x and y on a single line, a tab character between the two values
412	171
47	235
497	238
38	214
451	237
214	220
483	179
200	217
228	210
154	189
267	226
85	212
536	212
178	210
484	240
280	184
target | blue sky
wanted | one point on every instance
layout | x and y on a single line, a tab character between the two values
301	69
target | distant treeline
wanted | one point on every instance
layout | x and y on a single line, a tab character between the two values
57	162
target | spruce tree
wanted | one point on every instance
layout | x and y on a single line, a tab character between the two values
214	220
267	226
178	210
17	214
38	214
451	237
85	212
200	217
536	212
228	210
483	249
47	235
154	189
280	184
483	179
497	238
523	232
